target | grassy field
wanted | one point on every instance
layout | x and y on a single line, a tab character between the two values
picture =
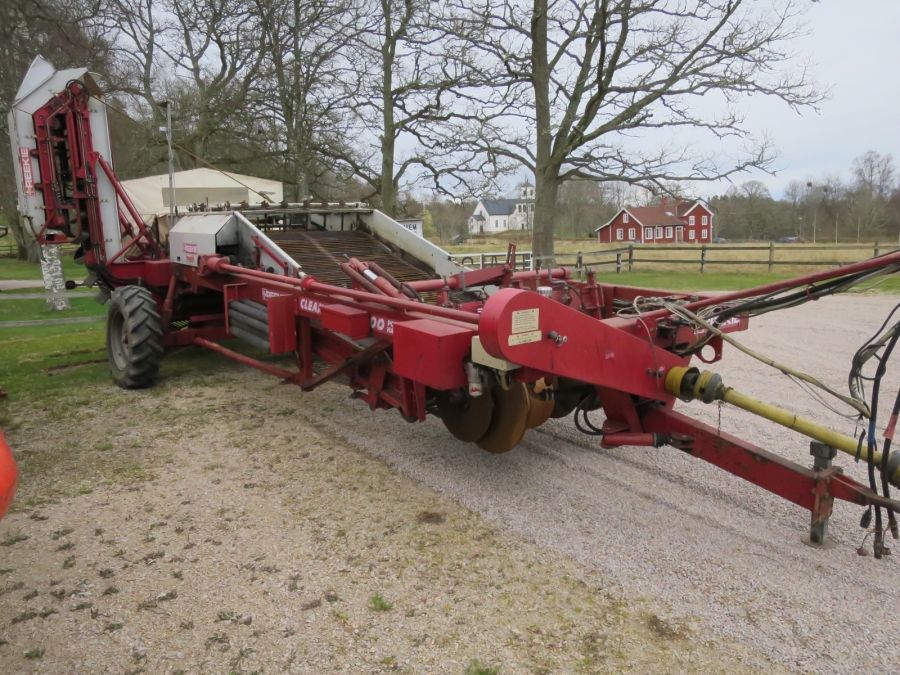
722	259
30	310
10	268
694	281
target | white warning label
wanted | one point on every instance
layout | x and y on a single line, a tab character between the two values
525	320
524	338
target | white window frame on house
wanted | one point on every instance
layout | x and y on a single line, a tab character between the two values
631	234
691	220
659	232
692	236
703	234
624	217
669	232
496	223
620	233
648	233
704	221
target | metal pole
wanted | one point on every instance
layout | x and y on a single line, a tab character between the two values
168	106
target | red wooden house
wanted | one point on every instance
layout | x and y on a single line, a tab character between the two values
684	222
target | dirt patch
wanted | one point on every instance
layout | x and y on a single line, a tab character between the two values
204	527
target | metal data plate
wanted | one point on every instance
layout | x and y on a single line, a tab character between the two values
482	358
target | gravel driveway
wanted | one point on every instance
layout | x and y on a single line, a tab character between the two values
704	546
660	534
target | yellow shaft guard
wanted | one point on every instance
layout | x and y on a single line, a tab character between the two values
673	383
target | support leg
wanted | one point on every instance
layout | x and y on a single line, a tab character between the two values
823	499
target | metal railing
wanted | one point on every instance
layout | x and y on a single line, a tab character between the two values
478	261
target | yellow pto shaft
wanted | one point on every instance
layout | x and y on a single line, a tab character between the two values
690	383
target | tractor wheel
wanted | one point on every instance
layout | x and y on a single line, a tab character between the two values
133	337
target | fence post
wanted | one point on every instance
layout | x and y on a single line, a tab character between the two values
619	263
630	257
703	259
579	263
876	249
481	262
771	256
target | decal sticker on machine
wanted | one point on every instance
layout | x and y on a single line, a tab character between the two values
268	295
525	321
27	173
524	338
732	323
191	248
311	306
382	325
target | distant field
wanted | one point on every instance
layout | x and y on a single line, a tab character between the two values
721	259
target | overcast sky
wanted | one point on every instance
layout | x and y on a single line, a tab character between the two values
855	48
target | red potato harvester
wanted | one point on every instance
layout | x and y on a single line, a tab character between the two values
351	296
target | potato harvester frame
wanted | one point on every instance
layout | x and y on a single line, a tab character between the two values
492	351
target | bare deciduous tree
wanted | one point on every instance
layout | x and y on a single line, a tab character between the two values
204	55
300	86
412	85
604	88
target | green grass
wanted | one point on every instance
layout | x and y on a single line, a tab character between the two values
477	668
379	604
10	268
28	353
694	281
29	310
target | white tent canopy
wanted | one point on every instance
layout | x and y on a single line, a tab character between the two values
151	193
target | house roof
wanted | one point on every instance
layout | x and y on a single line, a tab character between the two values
500	207
648	216
658	215
478	216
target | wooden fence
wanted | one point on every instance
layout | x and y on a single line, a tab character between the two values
625	258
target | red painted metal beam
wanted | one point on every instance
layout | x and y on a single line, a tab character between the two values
220	265
755	465
772	472
247	361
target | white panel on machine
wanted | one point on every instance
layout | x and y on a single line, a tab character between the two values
199	234
41	83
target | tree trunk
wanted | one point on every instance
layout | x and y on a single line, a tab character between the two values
387	187
28	248
546	190
546	175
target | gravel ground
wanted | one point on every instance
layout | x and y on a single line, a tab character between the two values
204	528
673	552
702	545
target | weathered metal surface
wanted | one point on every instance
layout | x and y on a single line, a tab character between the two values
320	254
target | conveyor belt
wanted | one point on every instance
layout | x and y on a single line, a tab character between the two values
320	253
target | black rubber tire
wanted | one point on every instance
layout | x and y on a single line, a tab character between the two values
133	337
